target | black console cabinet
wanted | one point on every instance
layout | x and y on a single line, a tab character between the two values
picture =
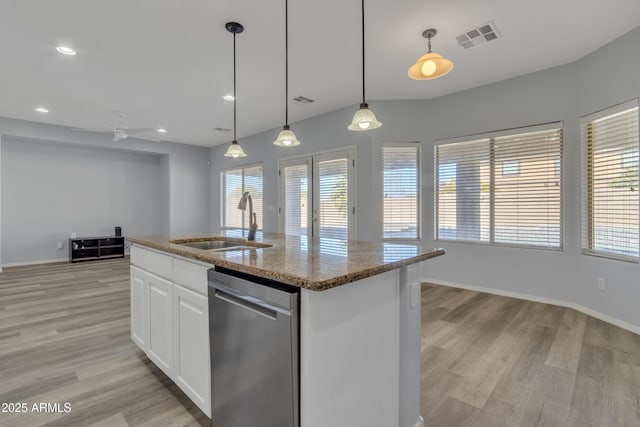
92	248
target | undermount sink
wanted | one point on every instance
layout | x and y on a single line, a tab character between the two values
223	245
208	245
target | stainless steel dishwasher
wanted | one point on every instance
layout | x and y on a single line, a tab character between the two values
253	328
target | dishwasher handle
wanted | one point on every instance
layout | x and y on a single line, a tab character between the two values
249	303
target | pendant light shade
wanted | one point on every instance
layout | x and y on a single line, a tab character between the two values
431	65
234	150
364	119
286	137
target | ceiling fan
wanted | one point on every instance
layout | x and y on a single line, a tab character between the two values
120	130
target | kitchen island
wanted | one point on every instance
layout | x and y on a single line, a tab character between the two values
359	322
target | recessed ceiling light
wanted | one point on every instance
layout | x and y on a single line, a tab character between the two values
42	110
65	50
228	97
161	130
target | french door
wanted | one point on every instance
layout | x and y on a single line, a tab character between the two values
316	195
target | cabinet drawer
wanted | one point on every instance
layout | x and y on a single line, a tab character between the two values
159	264
190	275
138	256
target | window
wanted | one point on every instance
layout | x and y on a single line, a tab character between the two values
510	168
401	187
234	183
630	159
505	188
611	203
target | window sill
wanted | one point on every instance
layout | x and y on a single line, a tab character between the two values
502	245
613	257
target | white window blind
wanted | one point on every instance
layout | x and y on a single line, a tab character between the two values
234	183
505	189
462	191
232	190
401	187
333	210
611	205
296	199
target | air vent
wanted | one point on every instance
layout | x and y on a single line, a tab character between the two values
477	36
303	100
223	130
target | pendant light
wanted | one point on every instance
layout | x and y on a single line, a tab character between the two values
286	137
234	150
364	119
431	65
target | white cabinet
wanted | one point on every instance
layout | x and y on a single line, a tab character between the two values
170	319
161	341
192	346
139	318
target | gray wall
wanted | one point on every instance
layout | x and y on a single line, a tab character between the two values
183	177
50	190
559	94
165	180
0	203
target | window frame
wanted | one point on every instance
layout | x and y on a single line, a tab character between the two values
585	217
491	136
223	195
418	146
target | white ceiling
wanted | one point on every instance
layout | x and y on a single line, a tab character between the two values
168	63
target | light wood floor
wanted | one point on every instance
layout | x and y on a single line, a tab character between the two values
497	361
64	337
487	360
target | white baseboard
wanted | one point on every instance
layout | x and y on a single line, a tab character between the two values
586	310
42	261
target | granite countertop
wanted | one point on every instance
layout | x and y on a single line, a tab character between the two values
311	263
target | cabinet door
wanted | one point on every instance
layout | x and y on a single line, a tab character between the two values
139	318
193	369
161	338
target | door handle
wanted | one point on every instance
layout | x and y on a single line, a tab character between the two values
246	305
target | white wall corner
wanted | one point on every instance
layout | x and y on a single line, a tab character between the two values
586	310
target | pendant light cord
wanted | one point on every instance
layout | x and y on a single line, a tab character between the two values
363	95
286	62
234	87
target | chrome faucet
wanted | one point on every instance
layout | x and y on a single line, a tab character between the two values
253	220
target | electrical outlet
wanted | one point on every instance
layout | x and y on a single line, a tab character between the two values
73	235
414	300
601	285
59	244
